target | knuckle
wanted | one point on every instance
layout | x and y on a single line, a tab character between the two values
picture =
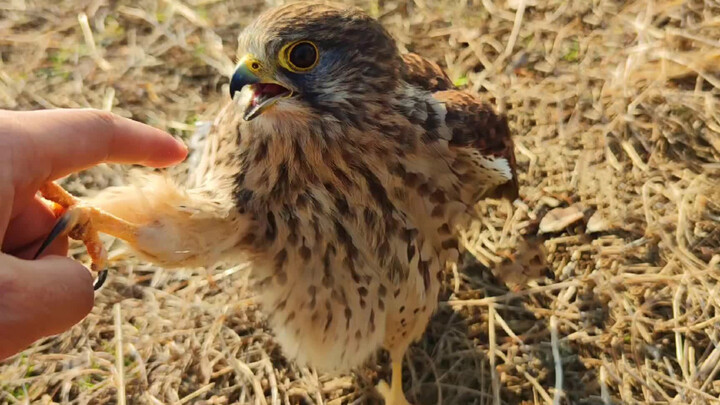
105	117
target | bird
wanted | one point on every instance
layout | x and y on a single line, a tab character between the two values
340	168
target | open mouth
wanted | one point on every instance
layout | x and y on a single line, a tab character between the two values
263	96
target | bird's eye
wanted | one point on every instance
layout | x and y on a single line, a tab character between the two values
303	55
300	56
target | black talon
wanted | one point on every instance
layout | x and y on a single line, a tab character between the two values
100	280
57	230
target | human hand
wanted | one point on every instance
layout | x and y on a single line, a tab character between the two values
47	296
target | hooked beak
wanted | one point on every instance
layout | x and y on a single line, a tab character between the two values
242	77
265	91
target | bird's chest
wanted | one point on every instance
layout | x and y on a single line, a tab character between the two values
318	231
338	215
324	234
343	245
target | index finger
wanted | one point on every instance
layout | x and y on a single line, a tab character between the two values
70	140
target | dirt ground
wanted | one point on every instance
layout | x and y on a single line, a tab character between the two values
599	286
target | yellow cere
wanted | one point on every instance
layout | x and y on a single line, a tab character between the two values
252	64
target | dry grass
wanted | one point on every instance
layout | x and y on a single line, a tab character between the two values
616	112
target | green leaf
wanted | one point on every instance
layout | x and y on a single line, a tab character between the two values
573	54
461	81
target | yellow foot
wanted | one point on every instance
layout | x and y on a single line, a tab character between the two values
393	395
82	222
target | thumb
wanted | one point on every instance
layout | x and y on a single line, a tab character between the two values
40	298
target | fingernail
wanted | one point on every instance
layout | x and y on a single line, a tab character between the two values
181	143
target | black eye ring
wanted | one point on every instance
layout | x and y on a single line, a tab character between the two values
302	56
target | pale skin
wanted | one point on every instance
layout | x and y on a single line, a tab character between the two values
47	296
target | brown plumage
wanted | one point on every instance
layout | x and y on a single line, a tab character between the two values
341	171
425	74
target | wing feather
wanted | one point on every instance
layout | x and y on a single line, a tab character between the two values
425	74
481	136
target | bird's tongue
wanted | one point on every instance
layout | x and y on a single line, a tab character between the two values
266	91
263	96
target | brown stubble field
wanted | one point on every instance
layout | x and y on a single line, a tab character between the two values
599	286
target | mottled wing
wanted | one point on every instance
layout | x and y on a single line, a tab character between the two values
481	139
425	74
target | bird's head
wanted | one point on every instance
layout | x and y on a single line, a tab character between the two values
318	59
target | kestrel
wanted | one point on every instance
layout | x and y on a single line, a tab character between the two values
341	170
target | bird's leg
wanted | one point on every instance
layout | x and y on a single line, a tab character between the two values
83	222
393	394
